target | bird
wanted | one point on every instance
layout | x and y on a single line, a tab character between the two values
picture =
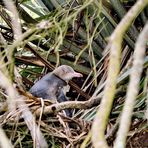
52	84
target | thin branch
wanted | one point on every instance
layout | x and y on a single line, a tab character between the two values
26	114
4	141
16	27
146	91
133	88
54	108
36	134
100	121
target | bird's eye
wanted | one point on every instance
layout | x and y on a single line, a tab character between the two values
65	71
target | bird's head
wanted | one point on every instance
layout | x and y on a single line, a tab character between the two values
66	73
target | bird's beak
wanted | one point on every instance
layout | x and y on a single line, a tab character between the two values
77	75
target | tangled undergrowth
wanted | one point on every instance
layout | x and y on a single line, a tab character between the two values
37	36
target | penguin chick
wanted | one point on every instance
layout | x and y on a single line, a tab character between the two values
51	85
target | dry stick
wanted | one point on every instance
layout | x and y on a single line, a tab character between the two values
69	104
16	27
146	91
17	32
100	121
4	141
27	115
37	136
133	88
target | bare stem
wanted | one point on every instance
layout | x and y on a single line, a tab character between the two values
101	119
133	88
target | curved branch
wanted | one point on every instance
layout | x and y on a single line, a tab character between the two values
54	108
100	121
133	88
